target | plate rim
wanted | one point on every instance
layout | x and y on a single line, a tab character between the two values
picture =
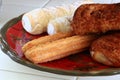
6	49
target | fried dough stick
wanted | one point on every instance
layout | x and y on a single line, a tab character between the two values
58	49
44	39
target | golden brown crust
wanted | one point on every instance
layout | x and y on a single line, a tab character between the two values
45	39
96	18
59	48
109	47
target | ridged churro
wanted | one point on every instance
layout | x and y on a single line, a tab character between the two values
45	39
58	48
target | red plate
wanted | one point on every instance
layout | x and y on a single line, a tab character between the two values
80	64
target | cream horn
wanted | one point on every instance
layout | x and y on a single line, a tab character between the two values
61	24
36	21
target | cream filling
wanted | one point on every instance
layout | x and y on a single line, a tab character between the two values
50	29
26	24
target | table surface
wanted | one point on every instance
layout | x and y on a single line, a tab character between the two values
9	69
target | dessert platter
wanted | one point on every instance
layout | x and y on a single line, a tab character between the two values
52	41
